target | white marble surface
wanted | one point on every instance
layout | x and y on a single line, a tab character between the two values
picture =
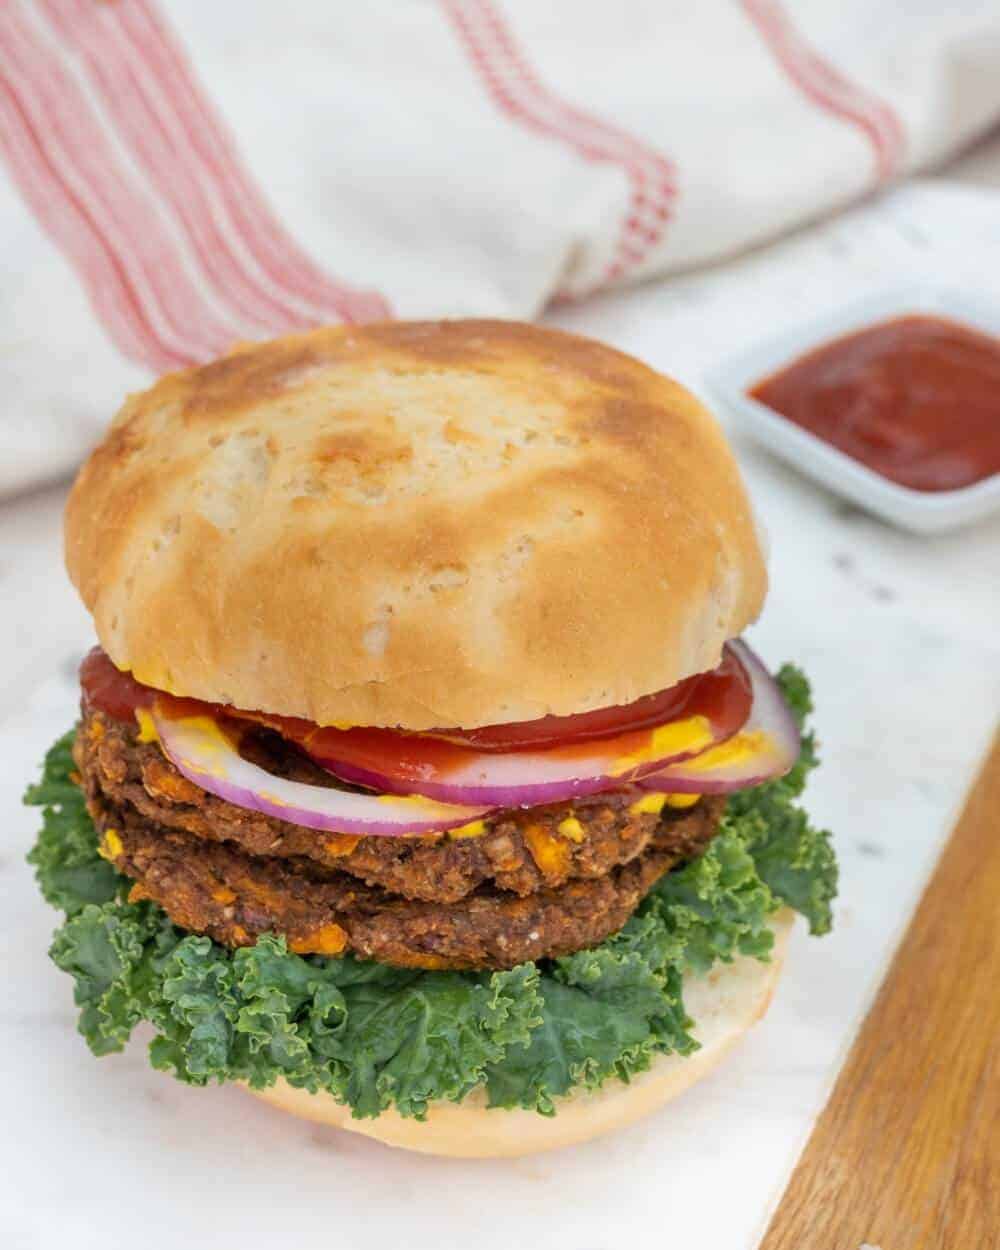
898	634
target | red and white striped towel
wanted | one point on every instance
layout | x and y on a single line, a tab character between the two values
186	176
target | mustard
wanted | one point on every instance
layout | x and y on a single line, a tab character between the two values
147	729
681	800
110	845
571	828
679	737
650	804
474	829
654	803
734	751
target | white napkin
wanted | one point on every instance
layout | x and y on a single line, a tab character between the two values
178	181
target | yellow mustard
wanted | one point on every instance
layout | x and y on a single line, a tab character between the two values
110	846
680	737
571	828
474	829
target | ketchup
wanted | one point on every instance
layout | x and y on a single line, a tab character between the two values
916	398
722	695
113	691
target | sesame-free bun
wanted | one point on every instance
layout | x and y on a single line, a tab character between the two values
418	524
724	1005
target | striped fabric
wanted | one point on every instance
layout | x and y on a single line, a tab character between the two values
212	173
118	150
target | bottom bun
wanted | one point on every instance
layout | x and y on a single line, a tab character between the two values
724	1005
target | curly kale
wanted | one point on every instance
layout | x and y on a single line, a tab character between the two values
375	1036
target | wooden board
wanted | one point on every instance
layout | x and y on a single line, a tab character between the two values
906	1154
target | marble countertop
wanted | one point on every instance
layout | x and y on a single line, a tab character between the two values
898	635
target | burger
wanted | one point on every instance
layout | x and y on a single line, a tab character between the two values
423	783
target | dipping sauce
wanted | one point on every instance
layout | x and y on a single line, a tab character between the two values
916	398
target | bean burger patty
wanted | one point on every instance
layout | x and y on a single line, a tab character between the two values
528	884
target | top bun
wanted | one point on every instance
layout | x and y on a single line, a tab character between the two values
418	524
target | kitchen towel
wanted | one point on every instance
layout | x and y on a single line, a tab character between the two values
183	177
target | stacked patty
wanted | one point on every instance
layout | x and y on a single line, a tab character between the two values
519	885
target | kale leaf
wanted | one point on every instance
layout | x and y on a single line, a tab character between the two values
69	871
376	1036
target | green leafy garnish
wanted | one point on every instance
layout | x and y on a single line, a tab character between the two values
69	871
796	861
376	1036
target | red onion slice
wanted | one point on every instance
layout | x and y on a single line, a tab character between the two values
527	778
200	749
766	747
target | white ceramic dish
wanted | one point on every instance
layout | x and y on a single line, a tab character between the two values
921	511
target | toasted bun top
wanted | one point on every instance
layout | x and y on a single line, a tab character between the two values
417	524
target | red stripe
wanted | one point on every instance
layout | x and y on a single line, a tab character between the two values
515	87
149	133
65	128
71	227
211	149
831	90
